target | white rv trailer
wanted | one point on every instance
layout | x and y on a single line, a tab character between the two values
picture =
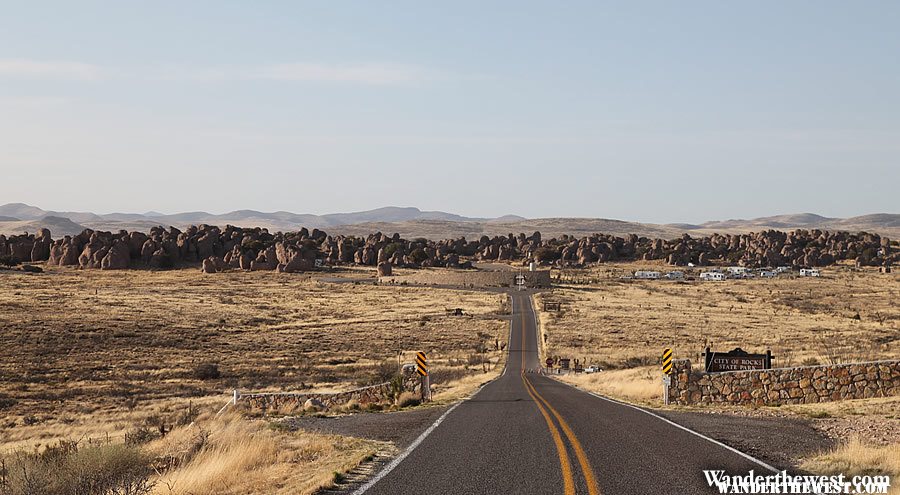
646	275
714	276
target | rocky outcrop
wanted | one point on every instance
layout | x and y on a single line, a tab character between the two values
257	249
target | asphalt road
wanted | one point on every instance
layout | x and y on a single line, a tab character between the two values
526	433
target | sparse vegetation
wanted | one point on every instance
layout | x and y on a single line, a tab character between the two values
71	468
856	457
147	352
624	324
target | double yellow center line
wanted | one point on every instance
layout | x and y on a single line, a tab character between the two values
565	464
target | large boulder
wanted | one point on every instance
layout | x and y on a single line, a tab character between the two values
117	257
385	269
209	266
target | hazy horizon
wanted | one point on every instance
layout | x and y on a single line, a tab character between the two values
651	112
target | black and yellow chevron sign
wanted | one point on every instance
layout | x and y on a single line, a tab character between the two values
421	364
667	361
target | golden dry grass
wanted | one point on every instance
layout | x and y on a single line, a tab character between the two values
231	455
855	457
799	319
92	352
641	385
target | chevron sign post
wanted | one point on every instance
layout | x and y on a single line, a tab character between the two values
422	370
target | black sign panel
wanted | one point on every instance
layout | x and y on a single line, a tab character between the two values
736	360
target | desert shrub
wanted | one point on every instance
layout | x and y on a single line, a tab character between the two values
166	262
207	371
638	361
8	260
253	245
7	402
546	254
140	436
474	359
446	375
392	248
408	399
70	469
385	371
811	361
418	255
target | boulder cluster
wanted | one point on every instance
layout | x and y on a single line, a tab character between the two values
217	249
798	248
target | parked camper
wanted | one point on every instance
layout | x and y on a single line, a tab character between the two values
715	276
767	274
646	275
737	270
783	269
809	272
675	275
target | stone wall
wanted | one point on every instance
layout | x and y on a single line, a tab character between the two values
471	278
380	393
802	385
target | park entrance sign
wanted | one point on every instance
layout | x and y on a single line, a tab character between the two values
736	360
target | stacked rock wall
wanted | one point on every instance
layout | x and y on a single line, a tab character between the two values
471	278
380	393
802	385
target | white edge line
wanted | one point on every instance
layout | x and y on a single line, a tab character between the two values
657	416
712	440
685	428
397	460
512	309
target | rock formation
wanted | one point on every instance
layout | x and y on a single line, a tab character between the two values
257	249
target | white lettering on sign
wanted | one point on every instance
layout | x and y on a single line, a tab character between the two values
738	363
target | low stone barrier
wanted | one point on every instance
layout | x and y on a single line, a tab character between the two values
801	385
381	392
477	278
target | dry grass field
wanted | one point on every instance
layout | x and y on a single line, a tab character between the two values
93	355
843	316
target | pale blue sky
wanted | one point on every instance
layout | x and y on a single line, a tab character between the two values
649	111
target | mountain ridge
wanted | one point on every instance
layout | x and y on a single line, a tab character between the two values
413	222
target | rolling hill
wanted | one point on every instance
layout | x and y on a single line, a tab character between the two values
412	222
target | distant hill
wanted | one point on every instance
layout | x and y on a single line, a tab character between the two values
58	226
412	222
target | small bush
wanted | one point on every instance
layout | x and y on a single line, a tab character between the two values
8	260
810	362
418	255
638	361
67	468
7	402
385	371
408	399
546	254
140	436
207	371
